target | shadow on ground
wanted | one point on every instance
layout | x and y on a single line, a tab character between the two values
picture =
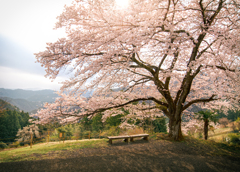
138	156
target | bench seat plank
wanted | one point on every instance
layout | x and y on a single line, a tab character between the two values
126	137
118	137
139	135
145	136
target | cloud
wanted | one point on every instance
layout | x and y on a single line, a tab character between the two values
13	79
15	56
19	70
26	26
31	22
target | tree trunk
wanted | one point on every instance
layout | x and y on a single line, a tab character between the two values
175	131
206	129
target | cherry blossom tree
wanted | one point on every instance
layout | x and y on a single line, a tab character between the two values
28	133
174	53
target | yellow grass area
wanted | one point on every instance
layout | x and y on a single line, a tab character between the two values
25	153
219	134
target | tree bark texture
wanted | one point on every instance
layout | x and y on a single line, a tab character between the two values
175	131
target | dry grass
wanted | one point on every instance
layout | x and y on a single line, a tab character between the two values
219	134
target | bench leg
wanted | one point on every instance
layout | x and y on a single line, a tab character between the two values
145	138
110	141
131	139
126	140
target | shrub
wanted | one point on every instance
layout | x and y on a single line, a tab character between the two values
238	123
137	130
95	134
85	134
14	144
53	138
233	138
3	145
67	131
233	126
74	138
160	125
112	131
200	135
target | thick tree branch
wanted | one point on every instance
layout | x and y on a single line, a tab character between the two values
199	101
124	104
222	68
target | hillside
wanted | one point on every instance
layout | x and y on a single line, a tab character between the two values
6	105
22	104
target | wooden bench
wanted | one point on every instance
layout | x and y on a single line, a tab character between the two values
126	137
144	136
118	137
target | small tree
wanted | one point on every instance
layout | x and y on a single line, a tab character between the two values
67	131
160	125
27	133
206	116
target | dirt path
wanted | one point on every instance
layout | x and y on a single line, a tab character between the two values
139	156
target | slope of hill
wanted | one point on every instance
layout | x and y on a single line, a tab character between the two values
23	104
6	105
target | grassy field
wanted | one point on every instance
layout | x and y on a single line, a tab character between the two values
27	153
54	150
157	154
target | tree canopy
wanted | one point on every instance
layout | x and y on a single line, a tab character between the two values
175	53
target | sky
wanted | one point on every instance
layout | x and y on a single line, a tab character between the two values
26	27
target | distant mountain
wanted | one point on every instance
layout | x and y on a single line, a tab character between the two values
27	100
30	101
37	96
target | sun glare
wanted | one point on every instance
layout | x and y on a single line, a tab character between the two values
122	3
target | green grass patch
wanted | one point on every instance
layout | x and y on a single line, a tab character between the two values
38	151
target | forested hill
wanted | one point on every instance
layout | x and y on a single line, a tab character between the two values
11	120
6	105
